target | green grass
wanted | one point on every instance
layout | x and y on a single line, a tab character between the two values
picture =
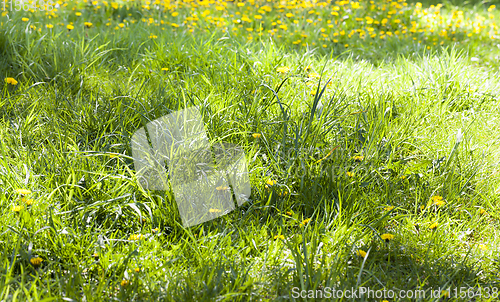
425	122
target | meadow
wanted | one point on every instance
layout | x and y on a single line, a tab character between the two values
370	129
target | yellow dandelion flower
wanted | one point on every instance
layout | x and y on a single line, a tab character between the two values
153	36
387	237
289	213
137	270
361	253
78	14
437	200
270	183
389	208
174	24
36	261
305	221
283	69
434	226
155	230
350	174
483	247
256	135
313	75
11	81
49	26
124	283
88	24
279	237
136	237
25	19
358	158
28	202
70	27
214	211
483	212
17	208
23	191
121	25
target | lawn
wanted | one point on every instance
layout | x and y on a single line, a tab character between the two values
370	130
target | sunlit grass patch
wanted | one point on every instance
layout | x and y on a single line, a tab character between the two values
370	131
